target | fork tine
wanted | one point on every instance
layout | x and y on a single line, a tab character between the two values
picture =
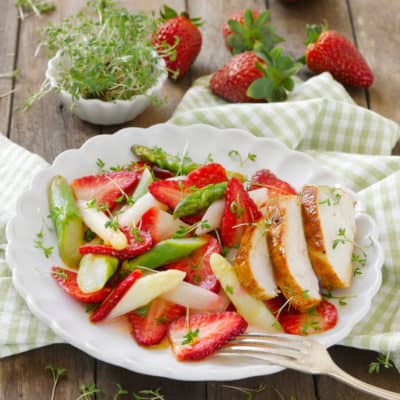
279	341
283	338
272	359
265	346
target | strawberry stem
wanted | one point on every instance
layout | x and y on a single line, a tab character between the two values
314	32
278	70
252	32
168	13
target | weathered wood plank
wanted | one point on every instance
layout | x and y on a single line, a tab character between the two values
377	27
284	385
356	363
24	376
291	19
8	43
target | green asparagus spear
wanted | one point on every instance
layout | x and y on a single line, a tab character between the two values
163	253
156	155
66	220
200	199
179	165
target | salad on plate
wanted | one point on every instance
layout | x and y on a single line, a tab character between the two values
199	254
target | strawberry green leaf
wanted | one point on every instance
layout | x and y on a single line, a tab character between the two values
248	18
263	18
168	13
252	32
288	84
314	32
260	89
236	27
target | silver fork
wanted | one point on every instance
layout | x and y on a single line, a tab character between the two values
302	354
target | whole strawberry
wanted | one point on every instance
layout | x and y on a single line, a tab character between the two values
329	50
181	34
245	28
255	75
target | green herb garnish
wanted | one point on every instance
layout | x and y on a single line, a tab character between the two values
105	53
190	336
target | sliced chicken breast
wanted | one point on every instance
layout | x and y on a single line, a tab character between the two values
288	251
329	226
253	265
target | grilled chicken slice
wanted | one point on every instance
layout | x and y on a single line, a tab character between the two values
329	226
288	251
253	265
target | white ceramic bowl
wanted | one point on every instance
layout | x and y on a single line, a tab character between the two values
104	112
111	342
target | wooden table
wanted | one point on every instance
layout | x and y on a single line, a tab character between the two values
49	129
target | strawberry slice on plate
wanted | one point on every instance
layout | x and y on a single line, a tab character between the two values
68	281
265	178
239	211
197	265
149	324
203	334
160	224
138	242
207	175
105	188
170	192
317	319
115	296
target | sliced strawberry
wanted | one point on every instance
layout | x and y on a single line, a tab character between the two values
138	243
197	266
115	296
150	323
170	192
239	210
193	219
203	334
105	188
159	224
68	281
162	173
207	175
316	320
265	178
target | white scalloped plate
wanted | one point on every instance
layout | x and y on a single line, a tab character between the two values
112	342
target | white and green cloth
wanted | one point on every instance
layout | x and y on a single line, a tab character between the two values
319	118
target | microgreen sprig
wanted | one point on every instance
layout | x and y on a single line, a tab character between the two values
119	392
382	360
56	374
190	336
39	244
235	155
148	395
248	392
33	7
186	230
88	391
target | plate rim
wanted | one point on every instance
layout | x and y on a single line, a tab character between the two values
80	344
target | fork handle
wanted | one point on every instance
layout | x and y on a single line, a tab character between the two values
343	376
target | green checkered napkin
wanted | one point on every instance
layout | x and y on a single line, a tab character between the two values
321	119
